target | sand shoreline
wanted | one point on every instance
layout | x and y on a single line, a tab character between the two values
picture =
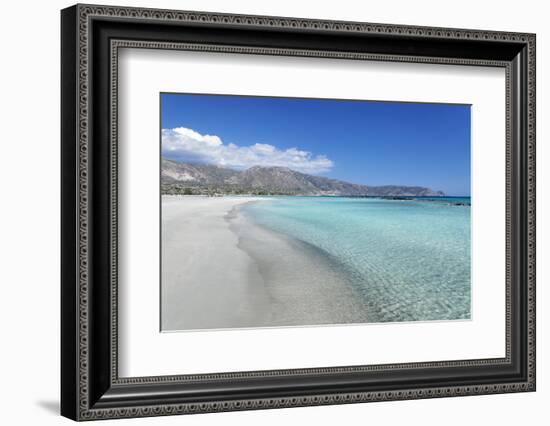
221	270
205	278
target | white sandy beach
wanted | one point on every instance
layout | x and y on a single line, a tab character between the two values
219	270
206	278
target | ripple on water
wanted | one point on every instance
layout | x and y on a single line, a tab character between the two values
408	260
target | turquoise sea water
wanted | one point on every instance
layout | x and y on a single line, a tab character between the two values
408	259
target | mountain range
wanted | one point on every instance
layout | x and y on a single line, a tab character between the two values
187	178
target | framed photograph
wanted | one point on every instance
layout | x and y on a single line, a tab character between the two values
263	212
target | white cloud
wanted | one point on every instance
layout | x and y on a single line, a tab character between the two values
186	144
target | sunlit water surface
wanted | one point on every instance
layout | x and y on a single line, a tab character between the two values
408	259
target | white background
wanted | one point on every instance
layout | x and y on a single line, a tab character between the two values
146	352
29	229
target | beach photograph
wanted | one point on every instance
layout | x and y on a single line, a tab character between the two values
280	212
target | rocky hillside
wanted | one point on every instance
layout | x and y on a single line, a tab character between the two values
184	178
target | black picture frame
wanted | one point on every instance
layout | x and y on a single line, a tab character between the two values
90	386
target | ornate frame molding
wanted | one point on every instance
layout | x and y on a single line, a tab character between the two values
80	18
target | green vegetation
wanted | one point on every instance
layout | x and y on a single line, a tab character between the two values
217	190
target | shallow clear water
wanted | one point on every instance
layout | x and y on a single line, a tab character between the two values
409	260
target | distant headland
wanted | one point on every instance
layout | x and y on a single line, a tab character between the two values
202	179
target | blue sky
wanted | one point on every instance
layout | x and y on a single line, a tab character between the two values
373	143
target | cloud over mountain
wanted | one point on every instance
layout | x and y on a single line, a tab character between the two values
185	144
